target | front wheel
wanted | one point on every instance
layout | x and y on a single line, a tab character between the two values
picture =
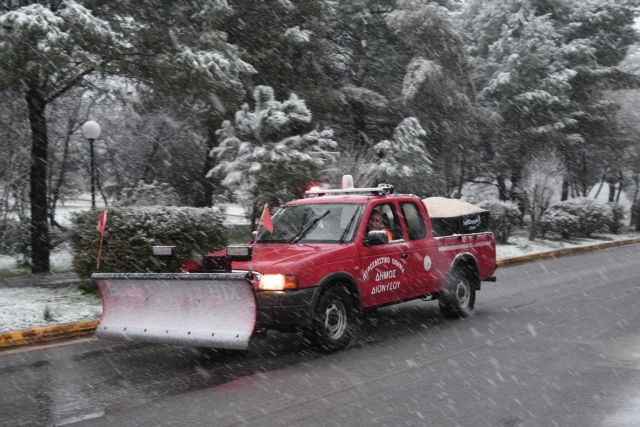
458	296
335	320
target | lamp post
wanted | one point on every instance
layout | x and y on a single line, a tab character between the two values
91	130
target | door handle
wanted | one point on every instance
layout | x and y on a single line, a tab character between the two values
404	256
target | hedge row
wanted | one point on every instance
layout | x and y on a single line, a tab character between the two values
131	232
581	217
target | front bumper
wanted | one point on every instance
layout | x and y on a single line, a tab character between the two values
284	310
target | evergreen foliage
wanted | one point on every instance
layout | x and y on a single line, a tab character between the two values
270	152
425	94
404	158
577	217
133	231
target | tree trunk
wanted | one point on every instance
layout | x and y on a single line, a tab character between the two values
533	228
462	168
204	193
612	192
600	187
148	164
38	185
502	188
620	187
254	216
54	194
565	190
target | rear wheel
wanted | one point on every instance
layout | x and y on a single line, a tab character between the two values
458	296
335	320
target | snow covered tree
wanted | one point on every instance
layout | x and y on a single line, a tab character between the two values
523	81
437	89
185	63
540	186
287	42
46	49
398	59
542	68
404	160
597	35
270	153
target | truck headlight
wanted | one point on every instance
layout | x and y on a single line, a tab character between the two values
277	282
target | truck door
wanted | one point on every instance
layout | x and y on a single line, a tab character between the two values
383	267
421	250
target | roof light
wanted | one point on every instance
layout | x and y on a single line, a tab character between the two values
347	182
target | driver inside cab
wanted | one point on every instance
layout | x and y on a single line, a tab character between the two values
376	222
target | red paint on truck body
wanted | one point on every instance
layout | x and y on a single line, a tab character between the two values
410	266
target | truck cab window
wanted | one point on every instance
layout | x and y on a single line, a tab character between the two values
387	213
414	221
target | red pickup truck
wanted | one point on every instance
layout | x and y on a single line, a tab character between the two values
317	271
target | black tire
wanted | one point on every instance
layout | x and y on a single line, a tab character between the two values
335	320
458	297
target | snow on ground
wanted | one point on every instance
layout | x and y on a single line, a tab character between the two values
519	244
24	307
60	260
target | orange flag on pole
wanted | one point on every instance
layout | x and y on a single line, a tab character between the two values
102	222
265	219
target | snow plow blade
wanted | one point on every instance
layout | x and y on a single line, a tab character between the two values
215	310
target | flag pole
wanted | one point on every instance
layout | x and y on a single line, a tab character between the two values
100	251
255	241
102	225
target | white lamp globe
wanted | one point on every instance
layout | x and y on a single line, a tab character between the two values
91	130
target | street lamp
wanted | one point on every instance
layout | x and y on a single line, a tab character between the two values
91	131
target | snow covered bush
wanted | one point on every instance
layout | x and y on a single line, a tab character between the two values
133	231
558	220
503	216
580	216
270	153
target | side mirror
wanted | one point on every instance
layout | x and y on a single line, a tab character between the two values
376	237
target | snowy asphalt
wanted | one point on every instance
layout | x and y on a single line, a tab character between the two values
554	342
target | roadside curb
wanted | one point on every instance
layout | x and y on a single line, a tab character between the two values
76	329
46	333
515	260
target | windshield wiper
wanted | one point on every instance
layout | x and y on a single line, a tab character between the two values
309	227
346	230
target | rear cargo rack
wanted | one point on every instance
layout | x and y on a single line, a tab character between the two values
380	190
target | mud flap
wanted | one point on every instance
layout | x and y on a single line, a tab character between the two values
215	310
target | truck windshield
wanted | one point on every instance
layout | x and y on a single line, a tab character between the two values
314	223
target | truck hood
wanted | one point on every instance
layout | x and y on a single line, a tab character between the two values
292	258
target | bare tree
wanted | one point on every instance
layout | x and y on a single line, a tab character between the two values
541	184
